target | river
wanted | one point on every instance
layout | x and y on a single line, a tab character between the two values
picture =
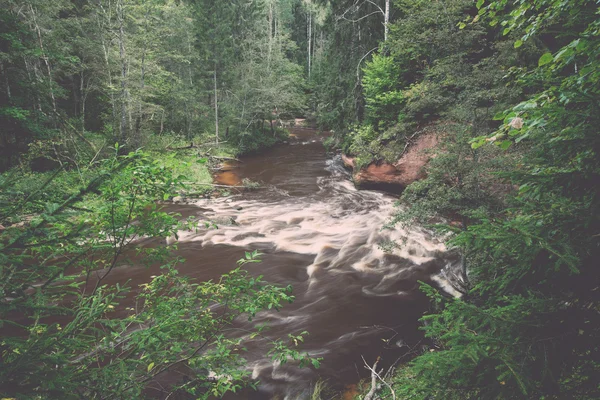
322	236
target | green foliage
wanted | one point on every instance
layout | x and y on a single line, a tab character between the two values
250	184
258	138
362	142
428	70
526	326
78	74
461	182
68	330
350	35
383	97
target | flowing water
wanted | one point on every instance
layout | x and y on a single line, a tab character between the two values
322	236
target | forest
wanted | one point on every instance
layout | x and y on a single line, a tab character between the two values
302	199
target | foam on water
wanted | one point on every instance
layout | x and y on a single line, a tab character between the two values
350	294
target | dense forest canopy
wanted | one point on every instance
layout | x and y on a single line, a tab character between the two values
108	106
126	70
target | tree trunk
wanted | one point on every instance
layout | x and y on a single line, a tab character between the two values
101	29
313	44
270	36
44	56
123	124
187	121
386	21
162	122
216	107
36	75
309	40
28	68
83	96
140	116
243	113
190	75
6	82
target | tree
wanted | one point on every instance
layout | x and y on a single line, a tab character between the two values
349	40
383	96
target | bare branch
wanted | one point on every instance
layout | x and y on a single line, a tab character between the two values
374	375
361	18
371	393
376	5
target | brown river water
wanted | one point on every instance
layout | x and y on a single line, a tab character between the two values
322	236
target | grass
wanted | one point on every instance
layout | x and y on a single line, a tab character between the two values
193	163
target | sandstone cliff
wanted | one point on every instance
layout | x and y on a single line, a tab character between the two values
394	177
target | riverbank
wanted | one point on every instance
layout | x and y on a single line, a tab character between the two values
195	161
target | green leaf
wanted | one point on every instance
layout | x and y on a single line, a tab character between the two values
526	105
499	116
518	44
480	3
505	144
565	52
522	137
51	207
545	59
202	160
150	366
509	118
478	142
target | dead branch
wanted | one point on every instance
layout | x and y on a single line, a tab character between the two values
212	184
409	141
191	146
67	126
225	158
370	395
374	375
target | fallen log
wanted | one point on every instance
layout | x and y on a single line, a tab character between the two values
225	158
191	146
213	185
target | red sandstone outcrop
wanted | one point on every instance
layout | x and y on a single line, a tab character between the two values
395	177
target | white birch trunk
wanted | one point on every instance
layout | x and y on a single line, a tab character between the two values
216	108
309	41
44	56
386	21
107	59
270	35
123	124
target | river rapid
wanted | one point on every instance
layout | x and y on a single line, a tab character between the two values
322	236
